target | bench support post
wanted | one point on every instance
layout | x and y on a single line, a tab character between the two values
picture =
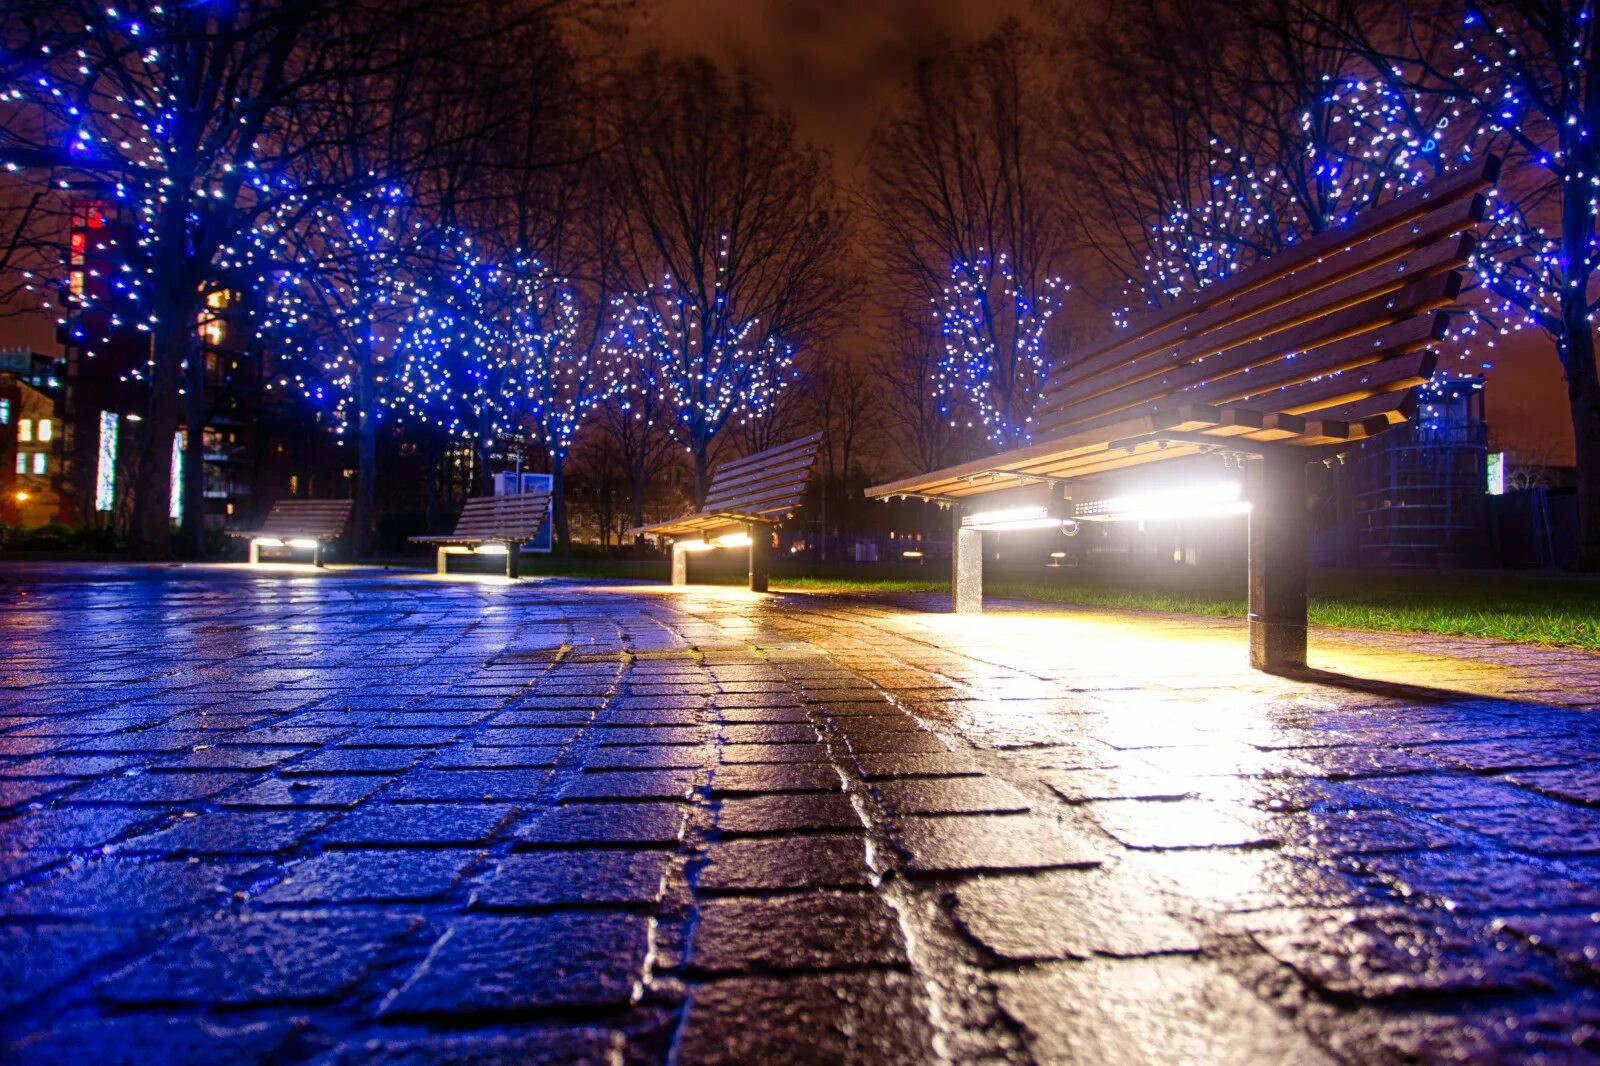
316	555
513	561
255	552
760	556
966	567
440	565
1278	563
680	564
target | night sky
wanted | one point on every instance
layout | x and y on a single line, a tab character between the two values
836	65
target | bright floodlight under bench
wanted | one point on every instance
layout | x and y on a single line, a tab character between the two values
1290	362
747	499
298	525
493	525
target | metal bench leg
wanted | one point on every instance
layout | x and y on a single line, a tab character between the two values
316	555
966	568
760	556
513	561
680	565
1278	562
440	566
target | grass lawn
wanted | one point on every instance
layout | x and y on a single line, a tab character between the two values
1533	608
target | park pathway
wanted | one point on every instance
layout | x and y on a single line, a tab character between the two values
367	817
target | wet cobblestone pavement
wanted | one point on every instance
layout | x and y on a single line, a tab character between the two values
356	817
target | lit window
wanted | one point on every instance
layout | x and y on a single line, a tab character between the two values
22	462
46	430
25	429
41	462
5	412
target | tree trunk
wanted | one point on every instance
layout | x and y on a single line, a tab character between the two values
1578	357
558	504
1583	393
150	526
366	509
702	459
636	515
430	491
192	485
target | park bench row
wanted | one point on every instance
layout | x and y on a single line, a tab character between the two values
1291	362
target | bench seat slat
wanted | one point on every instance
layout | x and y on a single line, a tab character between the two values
764	487
1376	296
309	519
1154	330
496	519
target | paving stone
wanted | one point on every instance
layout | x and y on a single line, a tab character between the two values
787	812
487	965
1376	955
1577	785
356	761
806	932
659	824
783	754
496	758
1539	830
650	757
883	767
846	1018
1086	786
530	737
1572	938
1500	755
332	793
599	877
142	1039
382	876
486	785
40	957
400	738
254	961
770	733
418	824
1479	883
950	795
757	715
68	766
1129	1012
975	843
756	778
75	828
15	865
894	743
538	1047
632	785
116	888
1440	792
232	757
1071	914
1178	824
1345	832
823	861
231	833
631	735
176	787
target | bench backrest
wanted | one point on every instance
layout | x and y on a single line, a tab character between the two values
1318	344
766	486
322	519
514	517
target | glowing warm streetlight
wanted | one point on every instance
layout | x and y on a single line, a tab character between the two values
22	497
1198	501
1016	518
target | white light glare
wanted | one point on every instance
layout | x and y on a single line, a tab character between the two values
302	542
729	540
1013	518
489	549
1200	501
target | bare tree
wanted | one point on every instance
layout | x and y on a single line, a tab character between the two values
734	250
957	191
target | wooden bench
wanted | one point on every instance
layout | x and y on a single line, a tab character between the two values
746	499
1286	363
500	524
298	524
